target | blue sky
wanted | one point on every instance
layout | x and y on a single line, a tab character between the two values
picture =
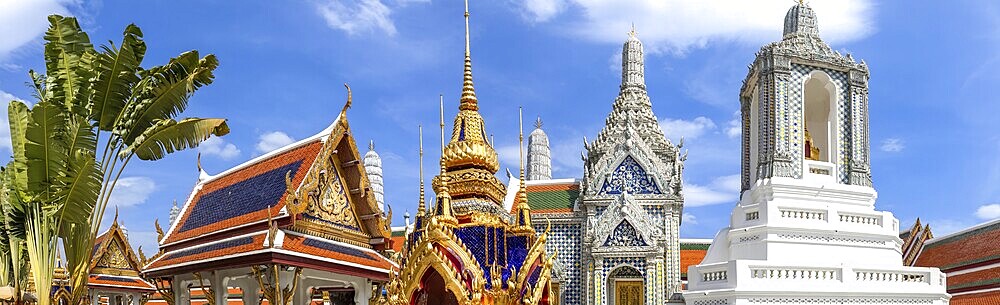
934	126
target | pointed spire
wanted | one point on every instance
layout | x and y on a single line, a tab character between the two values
174	213
523	211
469	101
441	103
633	75
421	208
443	211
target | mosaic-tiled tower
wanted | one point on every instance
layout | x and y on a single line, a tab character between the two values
631	199
539	158
806	230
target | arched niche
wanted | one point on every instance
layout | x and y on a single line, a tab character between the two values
625	286
433	290
819	95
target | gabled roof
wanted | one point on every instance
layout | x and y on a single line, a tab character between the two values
114	264
291	247
963	249
245	194
316	188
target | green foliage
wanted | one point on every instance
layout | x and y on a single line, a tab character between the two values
58	185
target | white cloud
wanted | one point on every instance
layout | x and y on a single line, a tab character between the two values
21	22
733	128
680	24
892	145
689	219
680	128
989	211
354	17
721	190
542	10
216	146
130	191
273	140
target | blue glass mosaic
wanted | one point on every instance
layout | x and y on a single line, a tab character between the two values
251	195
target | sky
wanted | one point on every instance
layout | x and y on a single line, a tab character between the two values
933	105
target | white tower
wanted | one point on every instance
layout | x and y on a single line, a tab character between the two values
373	167
806	230
539	158
174	212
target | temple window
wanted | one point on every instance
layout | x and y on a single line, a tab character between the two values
819	136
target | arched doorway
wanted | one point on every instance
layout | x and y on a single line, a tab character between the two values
625	285
433	291
820	117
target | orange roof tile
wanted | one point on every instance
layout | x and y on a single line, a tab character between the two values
691	258
960	250
984	298
972	280
124	282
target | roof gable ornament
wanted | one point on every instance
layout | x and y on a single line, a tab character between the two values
624	209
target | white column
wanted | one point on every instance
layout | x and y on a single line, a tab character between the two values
362	292
94	297
220	287
302	293
251	292
182	295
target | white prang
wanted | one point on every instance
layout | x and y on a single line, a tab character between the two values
806	231
539	157
373	168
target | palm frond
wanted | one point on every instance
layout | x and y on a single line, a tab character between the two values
168	136
117	73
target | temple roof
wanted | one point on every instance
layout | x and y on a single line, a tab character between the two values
311	251
313	194
243	195
966	256
114	263
552	196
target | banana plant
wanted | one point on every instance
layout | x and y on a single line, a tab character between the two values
62	178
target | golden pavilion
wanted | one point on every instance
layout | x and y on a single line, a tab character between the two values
469	249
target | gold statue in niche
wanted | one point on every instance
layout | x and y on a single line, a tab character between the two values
811	151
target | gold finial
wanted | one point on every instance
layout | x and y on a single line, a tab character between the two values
371	144
421	209
632	32
469	101
802	2
348	104
538	122
523	211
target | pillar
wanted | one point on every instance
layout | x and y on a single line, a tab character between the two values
94	297
303	293
362	292
182	294
220	287
251	291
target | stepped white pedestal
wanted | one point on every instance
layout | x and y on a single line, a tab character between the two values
810	241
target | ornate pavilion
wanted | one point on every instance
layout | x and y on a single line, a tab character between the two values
115	277
298	224
468	249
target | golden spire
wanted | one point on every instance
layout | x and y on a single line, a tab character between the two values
469	101
441	97
469	153
421	208
523	211
632	33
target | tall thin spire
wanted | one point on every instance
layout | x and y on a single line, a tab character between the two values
441	97
422	208
520	142
523	211
469	101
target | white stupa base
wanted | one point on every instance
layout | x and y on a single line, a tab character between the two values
810	241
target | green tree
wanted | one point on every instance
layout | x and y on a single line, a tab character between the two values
61	177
